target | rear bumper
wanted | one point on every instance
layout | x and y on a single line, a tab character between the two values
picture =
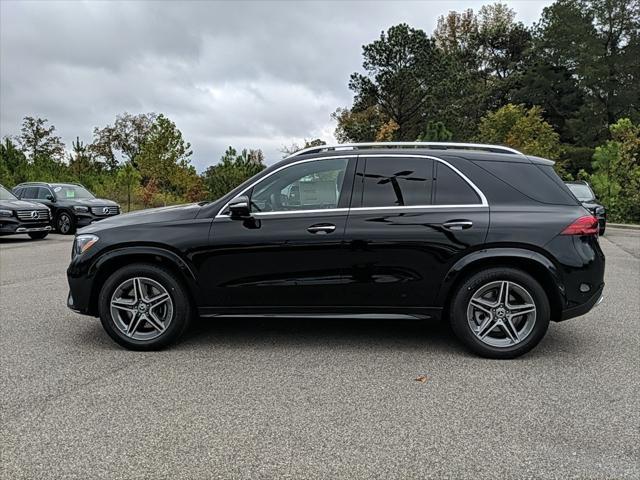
584	308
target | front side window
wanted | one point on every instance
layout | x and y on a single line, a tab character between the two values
42	193
311	185
397	181
29	192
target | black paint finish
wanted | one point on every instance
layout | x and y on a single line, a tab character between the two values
355	259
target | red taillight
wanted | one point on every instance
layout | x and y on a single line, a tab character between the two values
587	225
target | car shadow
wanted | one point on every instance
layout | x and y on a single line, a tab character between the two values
316	332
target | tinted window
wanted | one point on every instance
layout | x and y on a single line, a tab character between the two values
396	181
42	193
30	192
305	186
452	189
581	191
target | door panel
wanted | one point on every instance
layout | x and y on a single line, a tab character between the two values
400	251
290	252
272	261
399	258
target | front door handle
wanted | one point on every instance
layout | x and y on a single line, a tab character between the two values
321	228
458	224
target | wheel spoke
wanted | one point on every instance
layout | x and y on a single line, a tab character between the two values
137	289
126	305
482	304
510	330
503	296
158	300
136	319
484	329
155	322
517	310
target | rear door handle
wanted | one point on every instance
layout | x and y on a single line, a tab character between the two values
458	224
321	228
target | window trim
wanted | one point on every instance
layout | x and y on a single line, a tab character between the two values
483	199
249	187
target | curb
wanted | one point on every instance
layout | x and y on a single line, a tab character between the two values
626	226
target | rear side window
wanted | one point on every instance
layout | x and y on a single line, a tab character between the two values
397	181
539	183
452	189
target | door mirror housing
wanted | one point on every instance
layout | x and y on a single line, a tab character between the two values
239	207
50	198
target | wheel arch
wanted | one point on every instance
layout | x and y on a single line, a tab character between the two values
108	263
541	268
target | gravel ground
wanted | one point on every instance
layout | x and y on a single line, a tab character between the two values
285	398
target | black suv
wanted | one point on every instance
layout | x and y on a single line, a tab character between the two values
484	236
582	191
72	205
18	216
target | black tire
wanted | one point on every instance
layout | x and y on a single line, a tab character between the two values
38	235
66	223
182	309
463	295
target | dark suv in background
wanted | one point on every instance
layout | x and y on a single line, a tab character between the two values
72	205
18	216
583	192
484	236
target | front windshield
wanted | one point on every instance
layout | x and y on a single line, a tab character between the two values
6	194
581	191
71	192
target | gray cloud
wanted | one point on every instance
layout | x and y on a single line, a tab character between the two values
248	74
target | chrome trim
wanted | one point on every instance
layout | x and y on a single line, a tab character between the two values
219	214
599	300
483	199
452	145
33	229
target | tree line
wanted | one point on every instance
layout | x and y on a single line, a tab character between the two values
566	88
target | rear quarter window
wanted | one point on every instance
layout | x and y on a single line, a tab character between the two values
538	182
452	189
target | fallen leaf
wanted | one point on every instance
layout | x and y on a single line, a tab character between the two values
421	378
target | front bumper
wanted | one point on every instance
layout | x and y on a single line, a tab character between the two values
13	227
85	219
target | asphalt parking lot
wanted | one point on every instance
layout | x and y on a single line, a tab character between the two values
276	398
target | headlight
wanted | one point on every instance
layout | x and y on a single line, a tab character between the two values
81	209
600	210
6	213
83	243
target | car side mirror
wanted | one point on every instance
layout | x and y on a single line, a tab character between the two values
50	198
239	207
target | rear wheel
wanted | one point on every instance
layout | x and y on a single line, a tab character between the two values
38	235
500	313
65	223
144	307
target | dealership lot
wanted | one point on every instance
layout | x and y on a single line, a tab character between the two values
286	398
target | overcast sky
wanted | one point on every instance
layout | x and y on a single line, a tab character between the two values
248	74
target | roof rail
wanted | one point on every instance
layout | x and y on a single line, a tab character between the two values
434	145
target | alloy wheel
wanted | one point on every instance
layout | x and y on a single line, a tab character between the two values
141	308
64	223
501	313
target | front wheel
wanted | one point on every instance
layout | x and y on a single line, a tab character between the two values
38	235
65	223
144	307
500	313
